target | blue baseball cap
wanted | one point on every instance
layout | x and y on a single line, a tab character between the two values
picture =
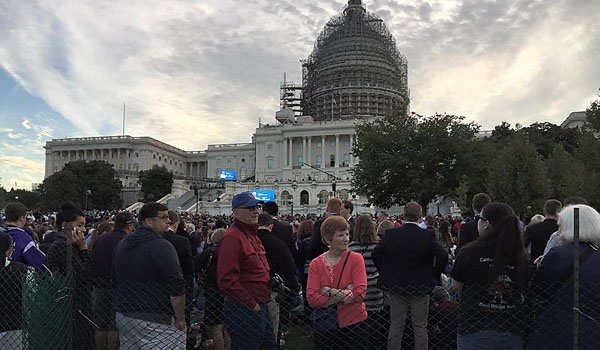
244	199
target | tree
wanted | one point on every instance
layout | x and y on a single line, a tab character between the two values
544	136
593	114
155	183
71	184
566	174
30	199
518	176
410	157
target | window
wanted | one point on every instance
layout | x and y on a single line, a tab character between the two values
346	161
270	147
347	143
137	154
300	146
319	161
270	163
300	161
332	161
319	145
332	144
218	160
228	160
243	160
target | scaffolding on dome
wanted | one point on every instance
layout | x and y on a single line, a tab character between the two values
355	69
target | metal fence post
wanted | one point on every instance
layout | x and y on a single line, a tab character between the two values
576	279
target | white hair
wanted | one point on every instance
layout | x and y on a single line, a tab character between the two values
537	218
589	223
192	226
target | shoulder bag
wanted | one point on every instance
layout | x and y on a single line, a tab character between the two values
325	319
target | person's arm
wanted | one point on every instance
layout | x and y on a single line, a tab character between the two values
32	256
316	296
440	254
458	272
357	290
228	272
178	304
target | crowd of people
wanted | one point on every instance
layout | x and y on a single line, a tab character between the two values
144	280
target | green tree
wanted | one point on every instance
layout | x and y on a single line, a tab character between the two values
593	114
544	136
410	157
517	175
566	174
155	183
30	199
71	184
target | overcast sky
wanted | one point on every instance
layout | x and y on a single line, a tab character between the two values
194	73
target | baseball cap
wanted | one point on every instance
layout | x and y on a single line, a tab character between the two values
244	199
125	218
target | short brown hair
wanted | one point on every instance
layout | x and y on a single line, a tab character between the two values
412	211
14	211
364	230
331	225
305	229
552	207
334	205
480	200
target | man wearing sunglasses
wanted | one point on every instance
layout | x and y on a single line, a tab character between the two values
243	274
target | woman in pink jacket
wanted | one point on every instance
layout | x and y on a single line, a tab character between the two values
338	277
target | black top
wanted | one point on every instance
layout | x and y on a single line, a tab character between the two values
184	254
147	272
487	302
104	252
284	232
405	260
279	258
11	295
207	262
537	235
467	234
317	247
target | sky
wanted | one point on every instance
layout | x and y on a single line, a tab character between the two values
193	73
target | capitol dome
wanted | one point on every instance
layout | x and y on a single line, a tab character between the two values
355	69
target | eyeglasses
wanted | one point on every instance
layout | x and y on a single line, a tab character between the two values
480	217
250	208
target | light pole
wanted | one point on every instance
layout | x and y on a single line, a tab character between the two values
195	188
87	194
294	186
333	187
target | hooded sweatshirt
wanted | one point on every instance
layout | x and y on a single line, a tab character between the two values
147	271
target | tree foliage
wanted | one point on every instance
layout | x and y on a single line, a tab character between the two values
410	157
155	183
71	184
593	114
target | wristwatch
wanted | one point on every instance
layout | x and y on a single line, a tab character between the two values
329	293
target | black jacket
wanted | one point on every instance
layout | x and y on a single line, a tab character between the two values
284	232
537	235
184	255
279	258
468	233
147	272
103	254
408	260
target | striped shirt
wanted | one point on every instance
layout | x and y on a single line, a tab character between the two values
374	298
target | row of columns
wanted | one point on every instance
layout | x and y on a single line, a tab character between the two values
307	151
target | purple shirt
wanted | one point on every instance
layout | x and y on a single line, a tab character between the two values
25	250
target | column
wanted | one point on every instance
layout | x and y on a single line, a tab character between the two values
323	151
350	152
285	152
309	159
337	151
291	161
303	150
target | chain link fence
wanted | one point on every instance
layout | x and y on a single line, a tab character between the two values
43	310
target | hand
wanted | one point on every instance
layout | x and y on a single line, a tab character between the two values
256	308
350	287
79	240
180	325
538	261
325	290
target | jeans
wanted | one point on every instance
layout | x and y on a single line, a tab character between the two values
249	330
490	340
419	310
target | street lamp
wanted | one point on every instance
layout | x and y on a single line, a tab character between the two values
294	186
195	188
87	194
333	187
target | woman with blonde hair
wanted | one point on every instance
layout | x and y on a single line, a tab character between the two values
384	226
553	283
337	280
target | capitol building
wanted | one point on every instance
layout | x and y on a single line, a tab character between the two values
355	73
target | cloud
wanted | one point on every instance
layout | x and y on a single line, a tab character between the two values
6	130
193	74
12	135
21	163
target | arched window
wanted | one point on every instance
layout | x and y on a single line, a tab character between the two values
300	161
319	161
304	197
346	161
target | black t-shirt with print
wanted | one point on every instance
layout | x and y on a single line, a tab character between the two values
487	303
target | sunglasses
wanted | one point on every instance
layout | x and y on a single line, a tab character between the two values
480	217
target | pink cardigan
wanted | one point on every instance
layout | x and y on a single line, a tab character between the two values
322	274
